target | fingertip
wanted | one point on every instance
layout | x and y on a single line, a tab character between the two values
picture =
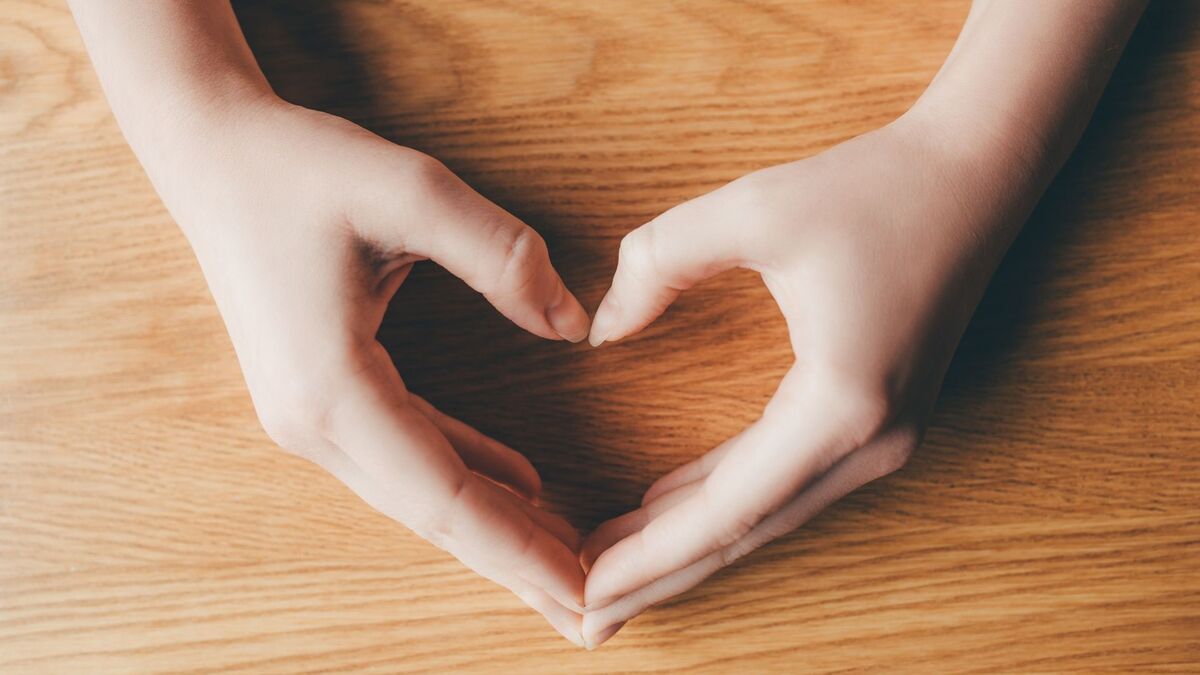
589	552
568	318
598	592
564	621
525	486
574	636
653	492
605	321
662	486
520	478
507	468
599	603
530	482
603	636
609	533
576	640
568	593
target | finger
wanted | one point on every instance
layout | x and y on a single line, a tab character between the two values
556	525
662	258
569	624
664	493
770	463
381	497
692	471
482	454
492	526
599	622
616	529
566	621
427	211
497	462
854	471
603	636
431	490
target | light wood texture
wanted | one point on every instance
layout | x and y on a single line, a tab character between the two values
1050	522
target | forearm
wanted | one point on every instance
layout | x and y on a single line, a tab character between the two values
1024	77
166	63
1003	114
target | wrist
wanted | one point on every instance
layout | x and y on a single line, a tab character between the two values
1000	165
183	111
979	183
970	137
203	158
180	128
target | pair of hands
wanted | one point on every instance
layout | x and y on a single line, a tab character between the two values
305	225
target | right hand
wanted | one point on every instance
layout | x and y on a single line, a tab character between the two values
876	252
305	225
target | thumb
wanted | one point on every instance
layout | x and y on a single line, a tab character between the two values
440	217
663	258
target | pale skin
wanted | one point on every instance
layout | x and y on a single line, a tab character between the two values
876	251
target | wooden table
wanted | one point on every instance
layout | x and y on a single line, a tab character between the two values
1051	520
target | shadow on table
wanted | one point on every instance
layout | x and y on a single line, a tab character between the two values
1090	186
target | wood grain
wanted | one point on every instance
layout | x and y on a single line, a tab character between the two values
1051	521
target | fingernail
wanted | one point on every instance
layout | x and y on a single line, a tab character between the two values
605	321
603	636
567	318
574	638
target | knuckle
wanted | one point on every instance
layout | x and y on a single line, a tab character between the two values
438	526
894	449
733	524
750	195
731	553
853	409
421	172
629	242
296	400
735	528
528	539
522	256
292	418
863	408
758	198
436	531
868	409
279	427
636	253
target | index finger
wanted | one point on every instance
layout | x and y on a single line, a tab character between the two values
433	492
799	437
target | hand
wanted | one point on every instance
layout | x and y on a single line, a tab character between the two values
876	252
305	225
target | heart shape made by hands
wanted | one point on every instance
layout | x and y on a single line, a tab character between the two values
871	337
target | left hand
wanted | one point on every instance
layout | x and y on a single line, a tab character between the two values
877	252
305	225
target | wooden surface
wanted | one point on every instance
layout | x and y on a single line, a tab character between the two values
1050	522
